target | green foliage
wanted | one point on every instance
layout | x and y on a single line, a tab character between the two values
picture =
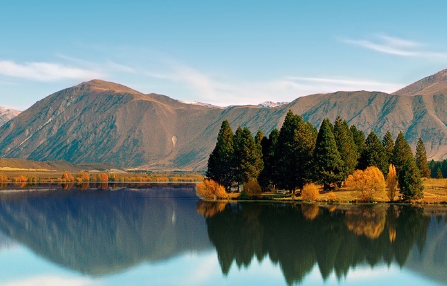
410	182
388	144
258	137
221	159
421	159
266	177
328	166
374	154
359	138
293	154
346	146
247	156
401	152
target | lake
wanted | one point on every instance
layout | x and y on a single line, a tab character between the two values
164	235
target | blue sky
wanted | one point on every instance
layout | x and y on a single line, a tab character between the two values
220	52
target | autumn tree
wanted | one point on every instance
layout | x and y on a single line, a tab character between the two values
421	159
220	161
210	190
374	154
388	144
346	146
439	174
310	192
68	177
410	182
247	157
266	177
391	182
368	183
328	166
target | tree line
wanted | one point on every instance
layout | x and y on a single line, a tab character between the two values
299	154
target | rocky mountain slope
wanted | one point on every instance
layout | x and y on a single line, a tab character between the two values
100	121
7	114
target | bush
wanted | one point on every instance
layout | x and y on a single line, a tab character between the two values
3	178
251	190
310	192
368	183
68	177
209	190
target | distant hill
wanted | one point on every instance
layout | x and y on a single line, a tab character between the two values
100	121
7	114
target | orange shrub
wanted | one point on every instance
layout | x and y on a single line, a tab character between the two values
103	177
209	190
84	177
251	189
3	178
310	192
19	179
68	177
368	183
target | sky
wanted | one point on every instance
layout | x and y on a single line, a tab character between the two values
218	52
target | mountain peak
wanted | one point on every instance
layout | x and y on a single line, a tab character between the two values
102	85
436	83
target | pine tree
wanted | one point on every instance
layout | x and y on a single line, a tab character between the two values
258	137
220	161
374	154
266	179
346	146
421	159
247	157
328	166
439	174
401	152
359	140
410	182
296	143
388	144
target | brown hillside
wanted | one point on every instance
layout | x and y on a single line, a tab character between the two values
100	121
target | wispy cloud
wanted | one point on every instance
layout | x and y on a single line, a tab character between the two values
397	46
45	71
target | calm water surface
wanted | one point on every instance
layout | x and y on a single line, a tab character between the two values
164	235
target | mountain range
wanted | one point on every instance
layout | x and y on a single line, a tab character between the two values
7	114
99	121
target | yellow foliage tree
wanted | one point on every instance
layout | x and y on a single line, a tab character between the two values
368	183
391	182
209	190
3	178
68	177
310	192
103	177
84	177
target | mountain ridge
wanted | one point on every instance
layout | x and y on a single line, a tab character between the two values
99	121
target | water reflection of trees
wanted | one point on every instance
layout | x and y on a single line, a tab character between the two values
299	236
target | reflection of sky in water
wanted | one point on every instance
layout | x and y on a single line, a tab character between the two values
21	267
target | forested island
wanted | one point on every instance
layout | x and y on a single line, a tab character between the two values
300	159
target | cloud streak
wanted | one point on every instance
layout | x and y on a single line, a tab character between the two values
45	71
396	46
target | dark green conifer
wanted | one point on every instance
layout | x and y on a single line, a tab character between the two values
410	182
346	146
220	161
421	159
374	154
247	156
401	152
359	139
266	179
328	165
388	144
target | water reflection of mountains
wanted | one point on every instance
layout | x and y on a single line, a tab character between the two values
299	236
100	232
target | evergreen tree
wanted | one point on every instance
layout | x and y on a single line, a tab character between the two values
258	137
359	139
374	154
410	182
296	143
439	174
401	152
266	179
388	144
247	157
220	161
329	167
346	146
421	159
